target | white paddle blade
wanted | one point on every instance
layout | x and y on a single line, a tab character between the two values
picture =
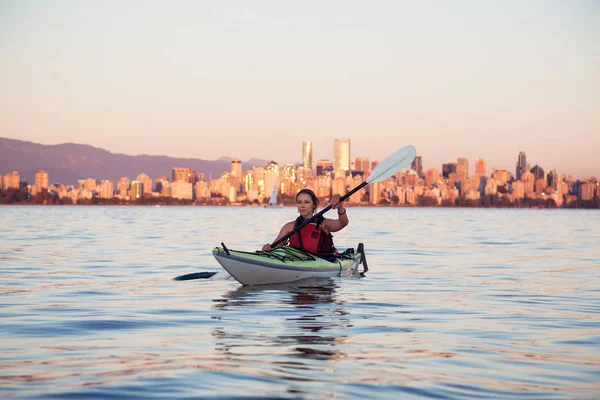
393	164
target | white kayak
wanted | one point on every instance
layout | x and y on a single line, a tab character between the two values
287	264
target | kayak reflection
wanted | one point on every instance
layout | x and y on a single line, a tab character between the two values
281	324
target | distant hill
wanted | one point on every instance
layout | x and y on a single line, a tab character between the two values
68	162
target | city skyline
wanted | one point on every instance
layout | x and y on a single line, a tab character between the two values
458	79
340	146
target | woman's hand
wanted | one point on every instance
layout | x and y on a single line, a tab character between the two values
267	247
337	205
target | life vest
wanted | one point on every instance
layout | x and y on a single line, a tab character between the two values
312	238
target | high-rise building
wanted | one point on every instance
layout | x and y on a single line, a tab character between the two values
271	177
323	167
181	174
462	169
41	180
193	176
341	157
417	165
521	165
123	185
586	191
501	176
146	182
448	169
551	178
182	190
1	178
236	168
107	190
12	180
375	193
538	172
307	156
432	176
363	164
136	191
87	184
481	167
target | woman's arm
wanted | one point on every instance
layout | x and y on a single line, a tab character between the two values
287	228
334	225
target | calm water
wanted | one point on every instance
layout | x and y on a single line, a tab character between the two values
458	303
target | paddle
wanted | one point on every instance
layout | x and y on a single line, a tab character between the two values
388	167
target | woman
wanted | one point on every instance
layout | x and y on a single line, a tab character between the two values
315	237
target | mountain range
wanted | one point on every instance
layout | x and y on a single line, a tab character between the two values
68	162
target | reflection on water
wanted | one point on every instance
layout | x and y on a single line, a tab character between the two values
305	321
457	304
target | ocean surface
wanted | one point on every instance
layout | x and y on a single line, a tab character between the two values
458	303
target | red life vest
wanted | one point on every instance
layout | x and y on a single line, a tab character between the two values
312	238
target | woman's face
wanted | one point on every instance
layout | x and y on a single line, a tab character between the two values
305	205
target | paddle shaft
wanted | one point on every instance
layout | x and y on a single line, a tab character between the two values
314	217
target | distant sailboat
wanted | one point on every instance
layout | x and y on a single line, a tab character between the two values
273	203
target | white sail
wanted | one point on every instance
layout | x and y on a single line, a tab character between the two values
273	199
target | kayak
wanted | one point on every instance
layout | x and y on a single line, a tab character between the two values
287	264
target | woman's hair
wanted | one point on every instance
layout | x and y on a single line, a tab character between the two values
312	195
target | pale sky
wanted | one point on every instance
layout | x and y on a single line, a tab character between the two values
207	79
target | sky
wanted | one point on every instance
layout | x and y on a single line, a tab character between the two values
207	79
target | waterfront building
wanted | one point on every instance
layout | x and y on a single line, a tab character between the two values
107	189
481	167
324	167
307	157
180	174
587	190
375	193
182	190
123	185
518	190
491	187
12	180
89	184
271	178
341	157
522	165
539	185
136	191
558	199
258	174
338	187
551	177
448	169
462	169
411	197
562	188
363	164
432	176
201	190
529	180
417	165
146	182
538	172
290	173
501	176
236	168
323	186
248	181
41	180
401	194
